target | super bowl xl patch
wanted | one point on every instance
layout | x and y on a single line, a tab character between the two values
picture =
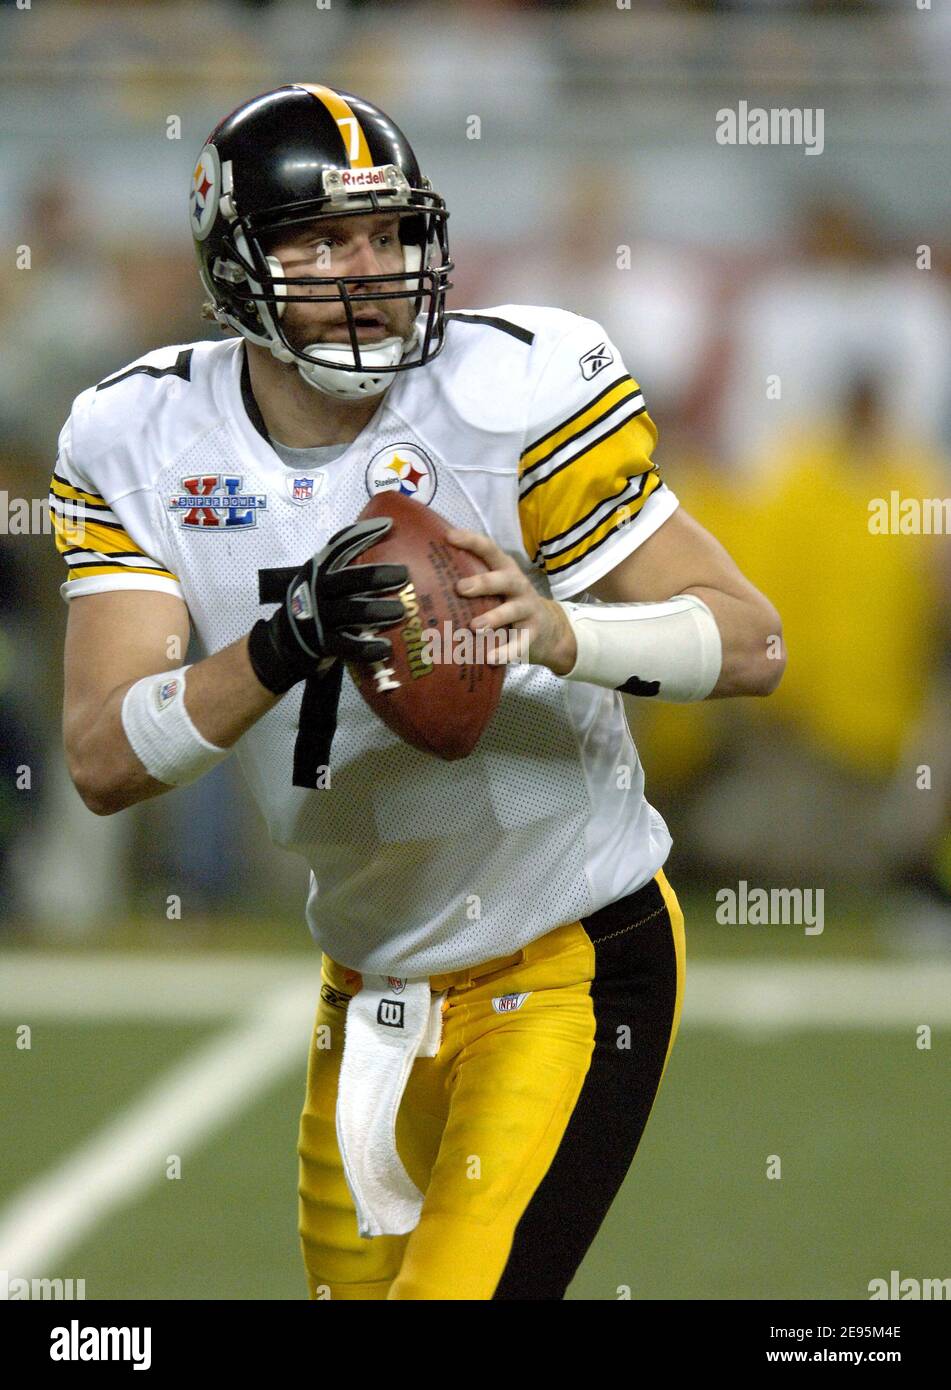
216	502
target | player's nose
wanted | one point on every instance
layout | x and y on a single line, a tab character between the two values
363	259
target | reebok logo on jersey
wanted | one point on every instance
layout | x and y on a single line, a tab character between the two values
595	361
508	1003
215	502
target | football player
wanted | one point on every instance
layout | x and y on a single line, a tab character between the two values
502	956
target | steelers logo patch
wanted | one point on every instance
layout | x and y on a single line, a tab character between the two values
402	468
206	190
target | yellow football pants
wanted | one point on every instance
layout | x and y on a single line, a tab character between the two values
520	1131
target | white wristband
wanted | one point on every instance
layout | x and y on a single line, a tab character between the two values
161	733
668	650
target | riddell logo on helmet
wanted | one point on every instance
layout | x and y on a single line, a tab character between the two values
363	178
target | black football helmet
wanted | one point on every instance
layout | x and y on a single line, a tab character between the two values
288	156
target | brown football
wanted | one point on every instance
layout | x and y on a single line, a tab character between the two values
440	706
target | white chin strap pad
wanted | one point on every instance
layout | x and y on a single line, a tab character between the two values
351	384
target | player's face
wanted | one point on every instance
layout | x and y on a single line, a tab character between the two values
332	247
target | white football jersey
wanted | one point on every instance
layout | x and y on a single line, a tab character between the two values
528	428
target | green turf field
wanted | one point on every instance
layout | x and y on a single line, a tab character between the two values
800	1049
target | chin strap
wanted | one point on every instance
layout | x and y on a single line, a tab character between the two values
344	381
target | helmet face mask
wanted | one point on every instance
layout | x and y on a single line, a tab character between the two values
244	204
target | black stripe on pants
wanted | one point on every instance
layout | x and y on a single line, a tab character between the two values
635	984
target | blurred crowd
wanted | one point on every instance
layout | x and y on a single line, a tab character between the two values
792	334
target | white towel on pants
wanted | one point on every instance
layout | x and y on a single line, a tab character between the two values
390	1022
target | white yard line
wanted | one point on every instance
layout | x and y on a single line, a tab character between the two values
741	993
275	998
111	986
746	996
175	1115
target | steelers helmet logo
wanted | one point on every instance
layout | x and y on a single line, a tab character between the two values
402	468
206	190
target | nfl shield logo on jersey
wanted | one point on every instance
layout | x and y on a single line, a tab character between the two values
303	489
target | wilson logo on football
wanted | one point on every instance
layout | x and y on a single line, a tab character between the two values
215	502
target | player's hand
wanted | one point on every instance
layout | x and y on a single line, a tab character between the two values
332	609
531	621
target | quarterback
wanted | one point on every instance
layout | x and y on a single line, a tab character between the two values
502	957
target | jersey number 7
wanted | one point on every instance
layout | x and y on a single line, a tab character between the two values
317	721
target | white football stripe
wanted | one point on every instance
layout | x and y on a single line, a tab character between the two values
176	1115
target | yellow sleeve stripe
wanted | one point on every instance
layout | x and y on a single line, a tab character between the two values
602	405
59	487
586	479
91	571
90	535
351	131
604	531
564	500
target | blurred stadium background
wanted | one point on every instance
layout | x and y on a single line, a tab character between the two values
596	184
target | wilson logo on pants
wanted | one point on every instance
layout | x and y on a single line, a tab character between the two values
390	1013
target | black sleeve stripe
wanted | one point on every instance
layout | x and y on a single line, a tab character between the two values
566	463
108	555
68	482
180	367
562	424
89	512
621	499
580	560
109	562
593	424
503	325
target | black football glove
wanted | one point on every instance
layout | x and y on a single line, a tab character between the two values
327	610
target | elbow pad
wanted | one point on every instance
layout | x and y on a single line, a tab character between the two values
670	650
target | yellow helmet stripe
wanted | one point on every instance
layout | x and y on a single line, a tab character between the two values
358	151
